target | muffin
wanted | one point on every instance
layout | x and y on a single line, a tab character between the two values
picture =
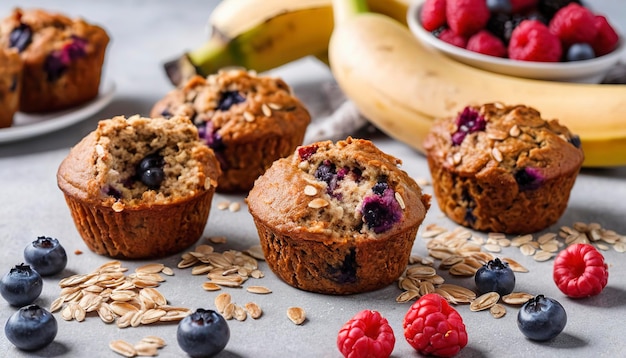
62	57
10	83
337	218
140	187
248	120
502	168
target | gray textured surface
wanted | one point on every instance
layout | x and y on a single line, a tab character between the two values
144	34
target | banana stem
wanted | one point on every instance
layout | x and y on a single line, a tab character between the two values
344	10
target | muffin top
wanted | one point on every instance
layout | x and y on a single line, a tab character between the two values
235	105
10	61
139	162
347	190
49	38
495	139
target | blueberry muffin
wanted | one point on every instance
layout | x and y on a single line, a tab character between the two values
140	187
248	120
337	218
10	83
62	57
502	168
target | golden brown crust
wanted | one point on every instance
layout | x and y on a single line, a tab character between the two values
514	176
116	213
52	32
331	248
248	136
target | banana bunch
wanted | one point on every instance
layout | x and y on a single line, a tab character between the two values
264	34
401	86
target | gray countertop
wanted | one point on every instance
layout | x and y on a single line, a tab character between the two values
145	33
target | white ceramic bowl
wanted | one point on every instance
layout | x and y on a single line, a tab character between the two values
586	71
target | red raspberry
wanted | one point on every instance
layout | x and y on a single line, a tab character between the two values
533	41
607	38
518	6
433	14
368	334
574	24
433	327
580	271
467	17
486	43
447	35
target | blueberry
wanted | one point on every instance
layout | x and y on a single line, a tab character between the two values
46	256
203	333
500	6
150	170
54	66
469	121
528	178
326	172
380	187
20	37
580	52
495	276
228	99
31	328
541	318
380	212
153	160
21	285
575	140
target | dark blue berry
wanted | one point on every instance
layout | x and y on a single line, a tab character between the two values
46	256
20	37
380	212
575	140
580	52
21	285
528	178
54	66
150	170
204	333
549	7
57	62
31	328
153	160
499	6
469	203
346	273
326	172
228	99
541	318
111	191
469	121
380	187
495	276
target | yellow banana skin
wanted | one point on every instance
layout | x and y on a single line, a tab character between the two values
399	85
264	34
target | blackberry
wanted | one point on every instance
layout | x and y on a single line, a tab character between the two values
549	7
469	121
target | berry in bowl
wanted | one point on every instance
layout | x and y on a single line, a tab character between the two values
556	40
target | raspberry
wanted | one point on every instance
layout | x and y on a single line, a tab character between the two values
368	334
447	35
606	39
574	24
486	43
433	327
533	41
433	14
467	17
580	271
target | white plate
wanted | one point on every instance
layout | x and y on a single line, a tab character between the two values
31	125
588	71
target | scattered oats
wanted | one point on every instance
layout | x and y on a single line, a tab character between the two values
497	310
407	296
504	242
484	301
217	239
400	200
240	313
516	298
426	287
521	240
258	289
204	249
105	313
249	117
620	246
497	155
223	205
296	315
514	265
267	111
549	246
78	252
123	348
153	340
310	190
473	263
229	311
602	247
462	269
57	304
547	237
459	293
451	261
221	301
150	268
317	203
66	313
210	286
167	271
145	349
152	315
543	256
234	206
527	249
257	274
493	247
254	310
421	271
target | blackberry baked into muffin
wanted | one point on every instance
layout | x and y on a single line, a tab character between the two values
10	83
337	218
62	57
248	120
140	187
502	168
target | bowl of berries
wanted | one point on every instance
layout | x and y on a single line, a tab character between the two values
555	40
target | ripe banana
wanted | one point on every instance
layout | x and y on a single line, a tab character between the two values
400	86
264	34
